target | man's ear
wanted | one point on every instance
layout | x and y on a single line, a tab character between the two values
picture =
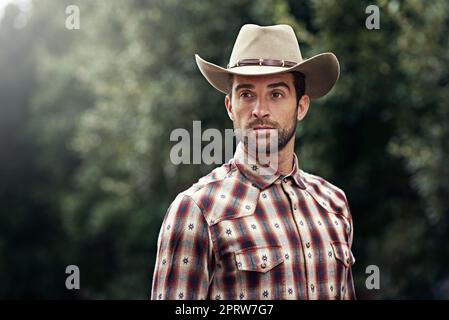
303	107
229	107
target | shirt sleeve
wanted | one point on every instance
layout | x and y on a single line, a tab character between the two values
350	293
349	285
183	266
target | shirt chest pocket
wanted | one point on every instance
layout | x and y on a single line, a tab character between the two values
261	272
259	258
343	253
341	259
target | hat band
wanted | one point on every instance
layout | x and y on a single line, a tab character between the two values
263	62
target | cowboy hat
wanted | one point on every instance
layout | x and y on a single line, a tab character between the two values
271	50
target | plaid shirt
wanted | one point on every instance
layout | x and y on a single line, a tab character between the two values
239	233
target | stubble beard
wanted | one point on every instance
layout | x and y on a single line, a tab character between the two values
284	135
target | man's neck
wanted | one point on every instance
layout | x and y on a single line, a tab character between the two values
285	158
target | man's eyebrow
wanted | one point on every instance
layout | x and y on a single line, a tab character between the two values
244	86
279	84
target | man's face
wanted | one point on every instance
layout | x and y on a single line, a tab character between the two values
265	105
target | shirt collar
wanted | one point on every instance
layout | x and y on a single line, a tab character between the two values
264	175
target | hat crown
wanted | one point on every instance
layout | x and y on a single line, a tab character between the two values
277	42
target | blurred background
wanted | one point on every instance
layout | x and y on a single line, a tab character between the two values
85	119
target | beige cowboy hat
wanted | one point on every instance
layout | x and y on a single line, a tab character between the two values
270	50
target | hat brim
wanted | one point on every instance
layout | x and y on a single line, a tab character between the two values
321	72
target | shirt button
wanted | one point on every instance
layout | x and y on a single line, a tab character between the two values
263	265
308	244
285	180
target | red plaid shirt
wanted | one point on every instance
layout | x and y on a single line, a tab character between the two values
239	233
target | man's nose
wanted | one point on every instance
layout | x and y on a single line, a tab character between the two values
261	109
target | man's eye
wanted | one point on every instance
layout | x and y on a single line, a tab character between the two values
277	95
246	94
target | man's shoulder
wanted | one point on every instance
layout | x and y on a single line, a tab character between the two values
216	192
215	178
326	193
193	205
320	183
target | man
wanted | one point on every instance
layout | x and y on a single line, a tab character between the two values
248	230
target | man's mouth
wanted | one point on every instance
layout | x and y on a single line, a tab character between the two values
262	128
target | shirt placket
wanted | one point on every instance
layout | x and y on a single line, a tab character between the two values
306	253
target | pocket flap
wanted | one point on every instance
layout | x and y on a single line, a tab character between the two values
343	252
259	259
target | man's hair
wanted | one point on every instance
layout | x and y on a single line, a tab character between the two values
299	81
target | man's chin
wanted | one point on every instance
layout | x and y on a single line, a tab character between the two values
259	141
